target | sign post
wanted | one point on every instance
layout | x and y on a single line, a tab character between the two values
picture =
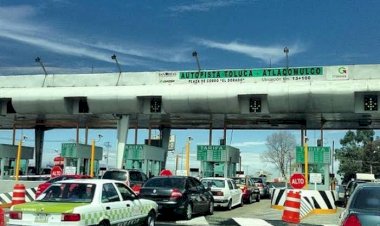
297	181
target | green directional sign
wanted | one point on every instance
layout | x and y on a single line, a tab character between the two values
315	154
211	153
263	72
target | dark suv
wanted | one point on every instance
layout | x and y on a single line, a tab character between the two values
178	194
133	178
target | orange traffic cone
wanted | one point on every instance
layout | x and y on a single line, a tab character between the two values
292	206
18	194
2	217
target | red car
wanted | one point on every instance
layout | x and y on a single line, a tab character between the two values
42	187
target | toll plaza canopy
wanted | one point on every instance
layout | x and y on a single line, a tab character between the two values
311	97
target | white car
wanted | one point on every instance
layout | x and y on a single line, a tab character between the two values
225	192
85	202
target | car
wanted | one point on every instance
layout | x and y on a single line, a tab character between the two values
276	185
350	189
131	177
363	206
85	202
225	191
341	193
41	187
179	195
263	187
250	191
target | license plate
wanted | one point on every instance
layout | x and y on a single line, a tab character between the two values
41	218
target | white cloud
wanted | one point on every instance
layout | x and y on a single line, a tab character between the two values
265	53
204	6
248	144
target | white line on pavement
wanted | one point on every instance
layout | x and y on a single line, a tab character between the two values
251	221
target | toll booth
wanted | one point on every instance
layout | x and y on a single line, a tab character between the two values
77	158
319	161
218	160
8	155
144	157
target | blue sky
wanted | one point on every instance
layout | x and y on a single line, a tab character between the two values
80	36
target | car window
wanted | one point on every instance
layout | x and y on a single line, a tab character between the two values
190	184
125	192
230	186
115	175
135	176
109	193
68	192
213	183
367	198
166	182
198	184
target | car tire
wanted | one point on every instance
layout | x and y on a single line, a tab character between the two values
250	199
210	208
188	211
104	223
258	198
229	205
151	219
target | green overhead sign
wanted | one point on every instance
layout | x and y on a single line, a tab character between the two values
315	154
266	72
211	153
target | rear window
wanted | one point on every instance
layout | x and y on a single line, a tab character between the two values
258	180
68	192
239	180
213	183
367	198
115	175
166	182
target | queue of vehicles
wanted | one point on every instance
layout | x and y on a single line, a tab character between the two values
129	197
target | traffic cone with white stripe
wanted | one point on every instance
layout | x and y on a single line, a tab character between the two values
18	194
292	207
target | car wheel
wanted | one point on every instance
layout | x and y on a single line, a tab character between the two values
250	200
104	223
258	198
229	205
151	219
188	211
211	208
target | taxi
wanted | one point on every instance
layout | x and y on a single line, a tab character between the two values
85	202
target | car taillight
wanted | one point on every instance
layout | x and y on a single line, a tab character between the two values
219	193
352	220
176	194
70	217
16	215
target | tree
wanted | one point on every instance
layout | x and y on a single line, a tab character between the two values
357	154
281	148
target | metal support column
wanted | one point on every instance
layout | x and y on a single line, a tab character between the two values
122	135
165	144
38	144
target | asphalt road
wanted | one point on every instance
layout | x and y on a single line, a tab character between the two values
258	214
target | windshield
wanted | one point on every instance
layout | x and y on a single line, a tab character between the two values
68	192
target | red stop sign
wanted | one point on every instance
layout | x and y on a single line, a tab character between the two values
297	181
56	171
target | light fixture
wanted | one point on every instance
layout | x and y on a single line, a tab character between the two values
195	54
113	57
286	51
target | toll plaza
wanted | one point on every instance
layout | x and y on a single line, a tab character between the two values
8	156
144	157
77	158
218	160
319	161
